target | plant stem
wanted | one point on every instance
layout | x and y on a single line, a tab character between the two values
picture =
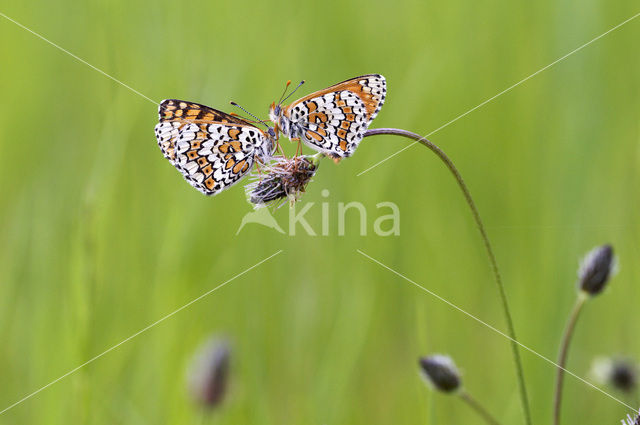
564	351
485	238
478	408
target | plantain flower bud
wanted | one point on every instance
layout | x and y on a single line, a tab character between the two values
440	372
619	373
208	372
595	269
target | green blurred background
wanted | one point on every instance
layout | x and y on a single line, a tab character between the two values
100	236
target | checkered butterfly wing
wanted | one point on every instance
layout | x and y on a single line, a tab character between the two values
334	120
213	150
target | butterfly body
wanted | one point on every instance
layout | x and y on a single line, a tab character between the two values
333	121
213	150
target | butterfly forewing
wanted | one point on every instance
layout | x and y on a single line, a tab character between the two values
334	120
183	111
213	150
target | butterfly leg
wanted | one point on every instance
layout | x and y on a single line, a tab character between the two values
279	147
299	147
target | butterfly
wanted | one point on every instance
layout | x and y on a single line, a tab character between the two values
332	121
212	149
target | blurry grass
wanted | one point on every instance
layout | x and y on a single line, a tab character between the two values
100	236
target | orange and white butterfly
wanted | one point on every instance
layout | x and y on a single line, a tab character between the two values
213	150
332	121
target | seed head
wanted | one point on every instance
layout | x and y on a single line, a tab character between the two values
283	178
440	372
208	373
619	373
595	269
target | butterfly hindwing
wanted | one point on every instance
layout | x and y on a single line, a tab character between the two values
332	128
167	133
213	150
334	120
174	114
213	157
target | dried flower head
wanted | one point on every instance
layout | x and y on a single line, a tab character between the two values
440	372
619	373
283	178
208	372
631	421
595	269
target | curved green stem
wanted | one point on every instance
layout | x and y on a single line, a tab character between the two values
564	351
478	408
485	238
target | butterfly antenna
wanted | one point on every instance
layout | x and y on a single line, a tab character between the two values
286	86
289	95
247	112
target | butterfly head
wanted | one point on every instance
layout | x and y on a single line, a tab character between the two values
275	110
272	136
267	148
